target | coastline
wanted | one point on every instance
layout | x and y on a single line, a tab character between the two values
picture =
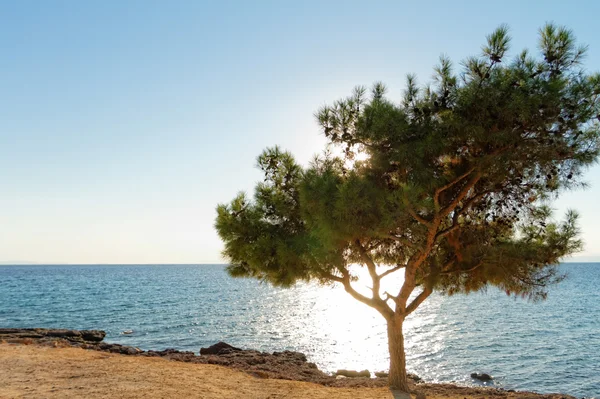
71	363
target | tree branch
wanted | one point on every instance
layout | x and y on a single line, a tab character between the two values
413	264
389	296
436	196
449	263
461	195
446	231
446	265
460	212
417	217
390	271
472	200
407	288
357	295
333	277
462	270
401	240
372	269
377	303
418	300
525	280
377	146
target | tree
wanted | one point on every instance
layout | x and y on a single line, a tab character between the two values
454	191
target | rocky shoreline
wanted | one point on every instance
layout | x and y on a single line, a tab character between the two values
286	365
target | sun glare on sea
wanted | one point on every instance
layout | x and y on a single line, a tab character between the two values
356	330
355	334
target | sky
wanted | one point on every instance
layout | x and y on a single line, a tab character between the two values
124	123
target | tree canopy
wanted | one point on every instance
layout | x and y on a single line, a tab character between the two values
453	188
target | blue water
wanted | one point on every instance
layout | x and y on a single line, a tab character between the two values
553	346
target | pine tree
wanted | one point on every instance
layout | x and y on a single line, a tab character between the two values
454	193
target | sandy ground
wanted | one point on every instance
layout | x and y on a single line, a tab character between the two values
31	371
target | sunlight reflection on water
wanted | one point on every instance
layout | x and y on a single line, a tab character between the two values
358	332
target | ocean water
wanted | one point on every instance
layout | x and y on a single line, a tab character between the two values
553	346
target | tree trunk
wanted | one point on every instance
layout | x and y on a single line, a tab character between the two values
397	377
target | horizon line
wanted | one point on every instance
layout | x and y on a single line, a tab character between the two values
106	264
170	264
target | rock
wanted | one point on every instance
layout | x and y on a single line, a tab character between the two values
173	354
7	331
482	376
24	334
301	357
353	373
115	348
128	350
92	335
220	348
63	333
287	365
41	334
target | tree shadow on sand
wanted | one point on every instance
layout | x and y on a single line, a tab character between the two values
403	395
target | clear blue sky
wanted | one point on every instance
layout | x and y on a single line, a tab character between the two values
124	123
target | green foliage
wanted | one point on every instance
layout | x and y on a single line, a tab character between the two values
454	190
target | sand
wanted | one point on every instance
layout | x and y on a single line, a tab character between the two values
32	371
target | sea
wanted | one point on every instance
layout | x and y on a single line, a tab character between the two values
545	347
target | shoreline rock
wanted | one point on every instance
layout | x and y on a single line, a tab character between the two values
482	377
220	348
80	336
354	373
